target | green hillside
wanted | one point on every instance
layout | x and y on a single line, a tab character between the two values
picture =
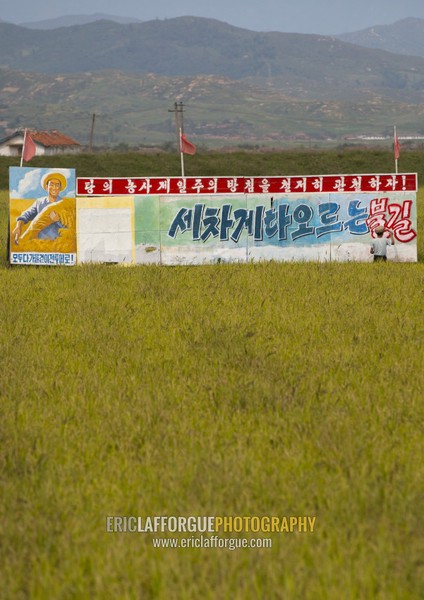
134	110
403	37
239	87
190	46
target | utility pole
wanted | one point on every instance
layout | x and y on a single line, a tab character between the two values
179	121
181	111
90	144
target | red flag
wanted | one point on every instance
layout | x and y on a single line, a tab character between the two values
29	148
186	146
396	147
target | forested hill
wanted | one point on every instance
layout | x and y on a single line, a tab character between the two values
190	46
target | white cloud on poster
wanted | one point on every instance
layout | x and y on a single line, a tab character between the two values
29	186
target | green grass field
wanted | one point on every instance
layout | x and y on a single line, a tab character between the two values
264	389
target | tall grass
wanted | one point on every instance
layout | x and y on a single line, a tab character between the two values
259	389
228	163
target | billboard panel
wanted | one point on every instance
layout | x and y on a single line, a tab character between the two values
206	220
209	228
42	216
106	230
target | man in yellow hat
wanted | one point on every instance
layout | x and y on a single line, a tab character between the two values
53	183
379	245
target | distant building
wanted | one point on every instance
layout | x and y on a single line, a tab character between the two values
46	142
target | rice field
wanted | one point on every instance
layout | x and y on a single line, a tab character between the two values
263	390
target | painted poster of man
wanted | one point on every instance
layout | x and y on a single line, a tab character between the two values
42	216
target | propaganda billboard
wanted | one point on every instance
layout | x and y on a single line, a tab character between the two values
42	216
204	220
208	220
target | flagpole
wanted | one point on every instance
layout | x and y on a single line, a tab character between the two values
395	144
182	156
23	147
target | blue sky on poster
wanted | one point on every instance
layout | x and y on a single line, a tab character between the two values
301	16
26	182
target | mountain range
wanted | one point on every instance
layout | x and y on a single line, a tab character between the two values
237	84
69	20
403	37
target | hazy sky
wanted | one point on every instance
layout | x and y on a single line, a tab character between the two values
300	16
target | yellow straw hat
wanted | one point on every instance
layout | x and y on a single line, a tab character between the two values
59	176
